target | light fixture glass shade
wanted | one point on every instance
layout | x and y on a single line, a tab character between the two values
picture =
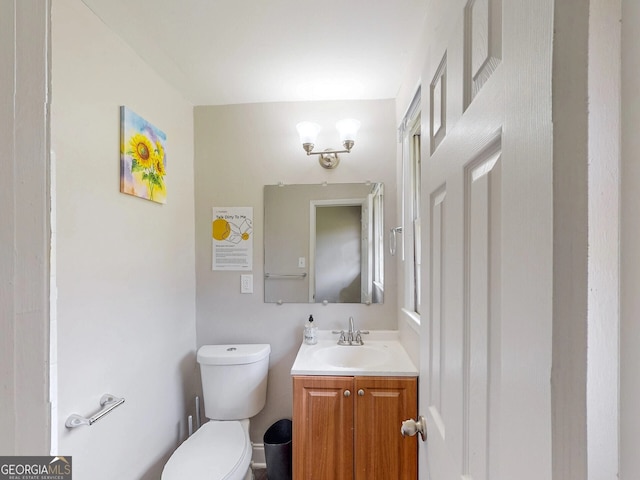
348	129
308	132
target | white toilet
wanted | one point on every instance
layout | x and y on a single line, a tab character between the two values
234	386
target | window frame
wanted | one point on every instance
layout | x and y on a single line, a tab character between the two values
410	137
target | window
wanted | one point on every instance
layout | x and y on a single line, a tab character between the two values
411	167
415	197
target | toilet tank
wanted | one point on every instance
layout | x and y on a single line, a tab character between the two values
234	380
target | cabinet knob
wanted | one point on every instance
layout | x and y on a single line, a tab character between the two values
347	393
361	393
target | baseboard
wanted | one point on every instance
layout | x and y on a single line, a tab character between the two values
258	459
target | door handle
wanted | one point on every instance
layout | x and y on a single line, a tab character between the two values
411	427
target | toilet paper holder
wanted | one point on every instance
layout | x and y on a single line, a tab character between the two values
108	402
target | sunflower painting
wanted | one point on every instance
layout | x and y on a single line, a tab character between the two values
143	160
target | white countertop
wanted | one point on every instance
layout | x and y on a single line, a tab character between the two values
382	355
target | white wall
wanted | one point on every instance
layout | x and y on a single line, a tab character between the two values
241	148
24	227
126	284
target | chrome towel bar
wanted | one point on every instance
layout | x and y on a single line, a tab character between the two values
108	402
393	240
285	275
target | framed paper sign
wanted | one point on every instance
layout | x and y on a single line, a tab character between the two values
232	238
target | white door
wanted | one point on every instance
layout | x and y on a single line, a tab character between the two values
486	326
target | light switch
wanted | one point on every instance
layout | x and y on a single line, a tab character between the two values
246	283
301	262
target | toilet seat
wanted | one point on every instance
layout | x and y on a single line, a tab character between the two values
219	450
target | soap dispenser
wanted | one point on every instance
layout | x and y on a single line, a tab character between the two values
310	332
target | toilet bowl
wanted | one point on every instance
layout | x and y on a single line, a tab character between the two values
234	386
219	450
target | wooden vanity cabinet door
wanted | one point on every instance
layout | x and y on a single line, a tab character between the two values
381	405
322	441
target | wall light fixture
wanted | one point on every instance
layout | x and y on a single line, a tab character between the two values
347	128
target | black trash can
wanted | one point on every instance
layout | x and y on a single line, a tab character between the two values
277	450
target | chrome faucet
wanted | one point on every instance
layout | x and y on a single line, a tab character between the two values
351	336
351	331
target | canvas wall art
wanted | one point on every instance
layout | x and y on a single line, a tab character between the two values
143	158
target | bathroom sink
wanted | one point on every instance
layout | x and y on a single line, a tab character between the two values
352	356
381	355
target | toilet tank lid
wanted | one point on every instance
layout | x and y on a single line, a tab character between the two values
232	354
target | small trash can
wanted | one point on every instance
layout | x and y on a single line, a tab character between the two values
277	450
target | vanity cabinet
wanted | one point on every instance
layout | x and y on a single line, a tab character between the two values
348	428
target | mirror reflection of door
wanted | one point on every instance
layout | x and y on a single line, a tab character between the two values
338	253
290	244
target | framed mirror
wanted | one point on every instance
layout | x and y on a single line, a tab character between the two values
324	243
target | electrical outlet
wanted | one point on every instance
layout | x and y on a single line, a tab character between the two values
246	283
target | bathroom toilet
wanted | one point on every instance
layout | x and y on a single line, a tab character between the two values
234	387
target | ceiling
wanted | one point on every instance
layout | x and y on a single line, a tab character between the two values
219	52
